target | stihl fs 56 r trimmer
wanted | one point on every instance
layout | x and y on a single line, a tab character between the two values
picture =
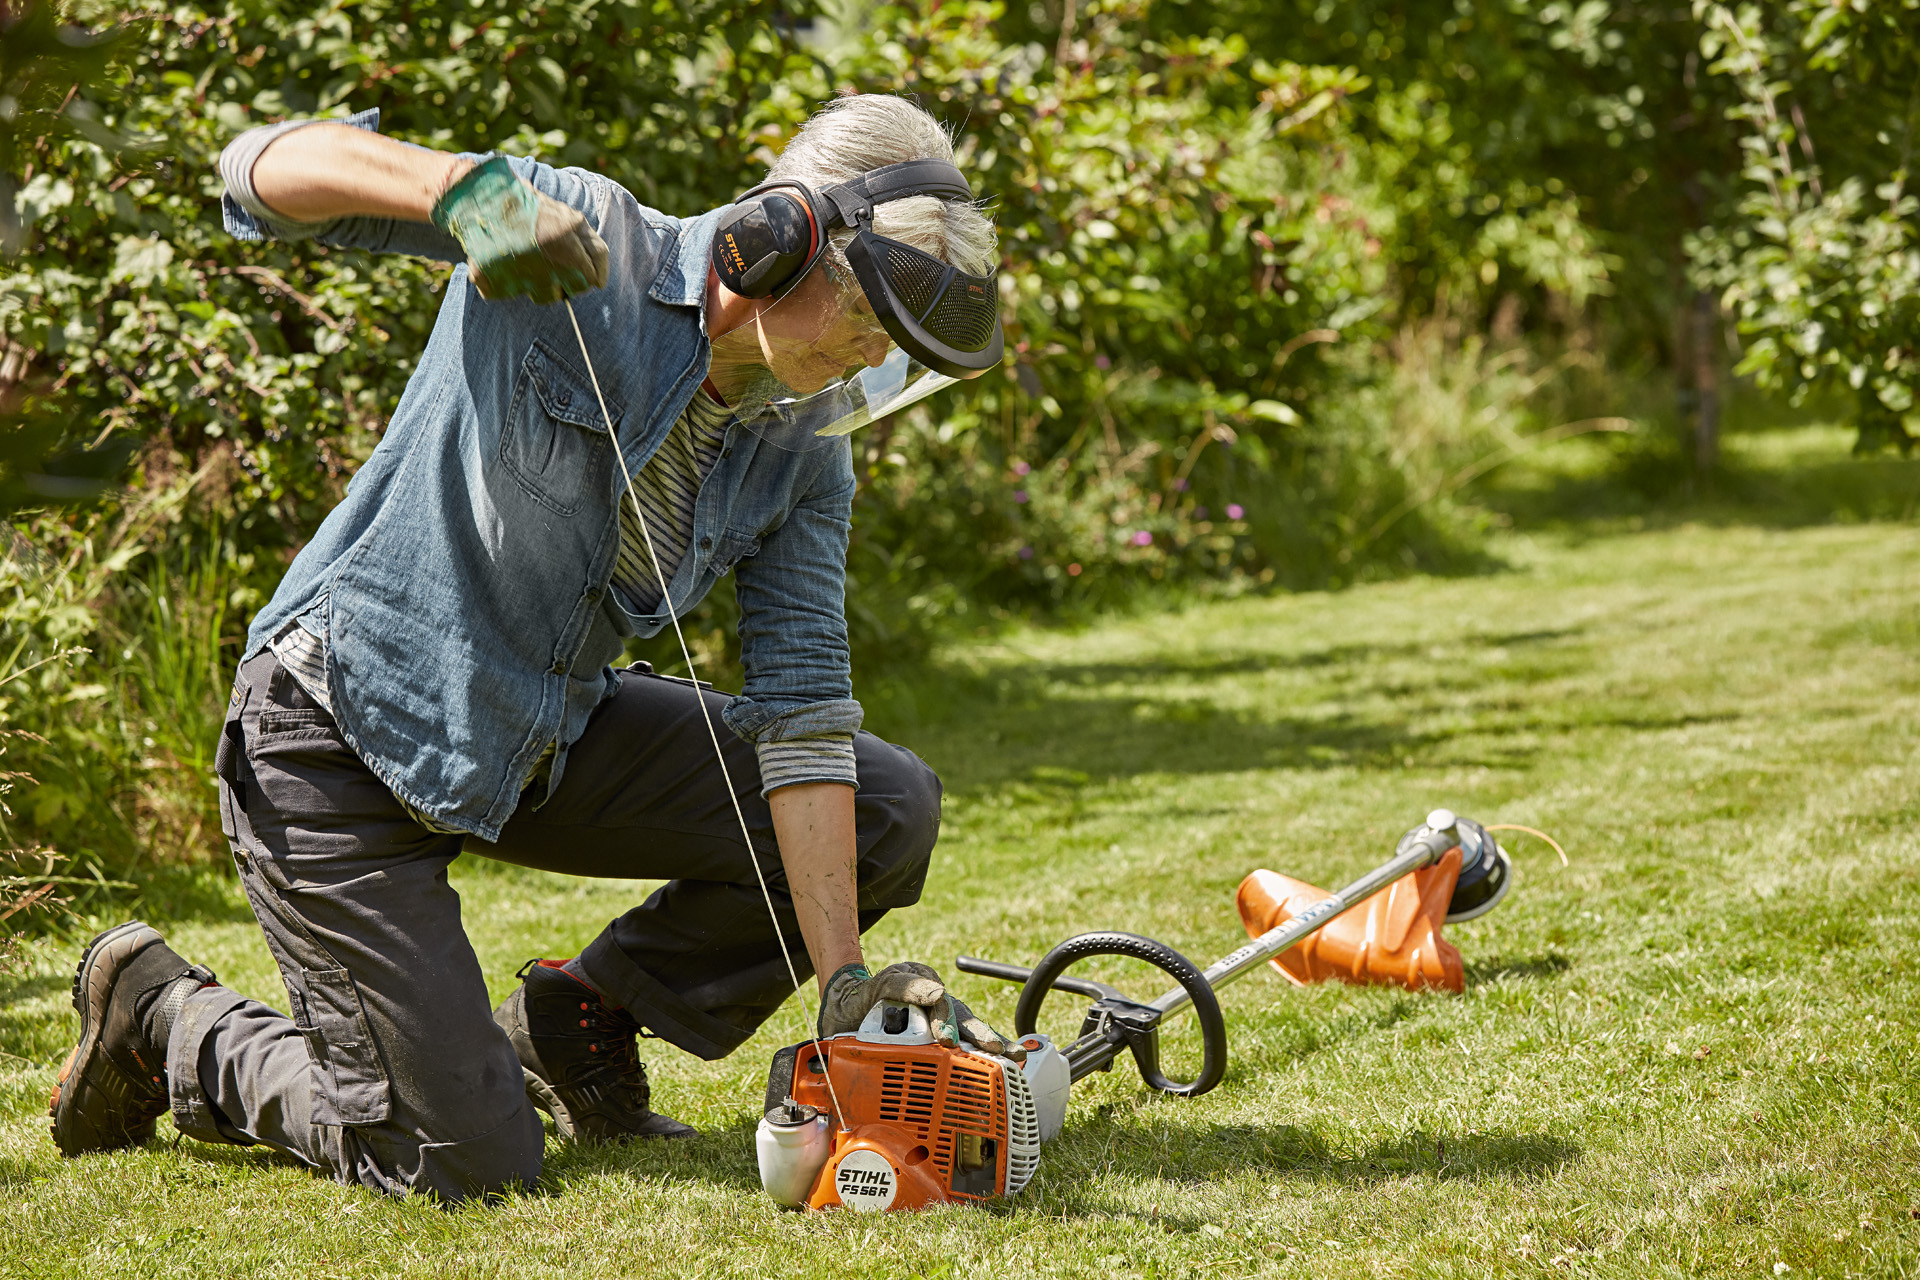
919	1124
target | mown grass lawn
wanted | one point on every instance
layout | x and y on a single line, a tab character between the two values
1690	1052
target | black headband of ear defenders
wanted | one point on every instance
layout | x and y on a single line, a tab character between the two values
941	316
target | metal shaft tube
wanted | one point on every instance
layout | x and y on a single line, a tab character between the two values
1426	848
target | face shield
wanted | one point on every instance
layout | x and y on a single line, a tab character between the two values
816	364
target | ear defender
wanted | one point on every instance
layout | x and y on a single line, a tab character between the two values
767	244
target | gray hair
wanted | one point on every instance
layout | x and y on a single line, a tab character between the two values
851	135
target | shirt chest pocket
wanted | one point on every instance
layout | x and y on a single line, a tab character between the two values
554	441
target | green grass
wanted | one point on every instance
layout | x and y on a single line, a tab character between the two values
1690	1052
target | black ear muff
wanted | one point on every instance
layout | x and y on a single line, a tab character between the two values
766	244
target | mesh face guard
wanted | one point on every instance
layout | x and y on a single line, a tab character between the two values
943	317
784	372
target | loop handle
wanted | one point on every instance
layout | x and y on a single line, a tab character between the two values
1115	1020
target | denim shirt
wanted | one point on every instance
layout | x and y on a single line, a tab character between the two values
462	584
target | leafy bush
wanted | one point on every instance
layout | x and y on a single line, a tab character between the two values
1279	281
1821	264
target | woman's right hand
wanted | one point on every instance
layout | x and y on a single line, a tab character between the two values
519	243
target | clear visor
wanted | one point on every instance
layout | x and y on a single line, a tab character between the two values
843	407
814	365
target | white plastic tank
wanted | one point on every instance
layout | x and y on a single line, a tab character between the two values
793	1145
1051	1080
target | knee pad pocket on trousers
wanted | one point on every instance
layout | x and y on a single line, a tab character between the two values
506	1158
351	1085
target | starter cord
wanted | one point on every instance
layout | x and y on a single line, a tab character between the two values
699	697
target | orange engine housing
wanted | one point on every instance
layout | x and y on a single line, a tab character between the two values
923	1124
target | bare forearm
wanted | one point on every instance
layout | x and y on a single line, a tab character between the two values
814	825
335	171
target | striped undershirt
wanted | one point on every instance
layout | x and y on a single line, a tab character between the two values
667	489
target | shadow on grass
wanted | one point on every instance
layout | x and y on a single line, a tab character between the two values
1498	968
718	1157
1651	480
1077	721
1182	1154
1137	1146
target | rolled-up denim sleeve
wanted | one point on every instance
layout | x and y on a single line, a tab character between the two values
247	216
793	621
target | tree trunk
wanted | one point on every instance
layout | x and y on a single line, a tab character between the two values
1706	382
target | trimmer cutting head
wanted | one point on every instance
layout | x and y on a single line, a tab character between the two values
1486	872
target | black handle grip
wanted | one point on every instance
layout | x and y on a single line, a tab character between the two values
1020	973
1139	1024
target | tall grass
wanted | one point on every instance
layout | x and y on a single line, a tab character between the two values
118	633
179	628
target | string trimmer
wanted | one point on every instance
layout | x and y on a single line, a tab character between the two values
917	1124
1116	1023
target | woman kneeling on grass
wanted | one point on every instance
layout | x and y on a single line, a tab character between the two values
433	675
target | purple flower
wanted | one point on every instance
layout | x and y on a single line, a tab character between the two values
1199	513
1143	539
1019	495
1180	485
1021	468
1235	511
1101	362
1026	553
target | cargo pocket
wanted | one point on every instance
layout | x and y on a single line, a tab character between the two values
352	1084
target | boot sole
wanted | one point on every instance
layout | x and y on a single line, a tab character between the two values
93	980
541	1094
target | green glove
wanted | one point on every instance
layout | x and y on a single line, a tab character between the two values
519	242
852	992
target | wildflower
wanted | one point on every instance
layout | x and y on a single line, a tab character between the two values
1235	511
1019	495
1073	571
1026	553
1180	485
1021	468
1143	539
1101	362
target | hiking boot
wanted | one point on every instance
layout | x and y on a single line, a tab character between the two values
580	1059
127	990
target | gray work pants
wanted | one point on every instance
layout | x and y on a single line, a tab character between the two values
390	1072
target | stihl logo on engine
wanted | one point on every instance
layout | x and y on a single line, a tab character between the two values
864	1180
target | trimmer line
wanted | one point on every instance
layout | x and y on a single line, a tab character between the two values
699	697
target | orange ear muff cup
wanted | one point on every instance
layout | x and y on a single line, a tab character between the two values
1391	939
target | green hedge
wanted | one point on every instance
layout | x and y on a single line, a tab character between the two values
1253	254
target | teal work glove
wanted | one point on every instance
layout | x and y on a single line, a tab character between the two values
852	992
519	242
